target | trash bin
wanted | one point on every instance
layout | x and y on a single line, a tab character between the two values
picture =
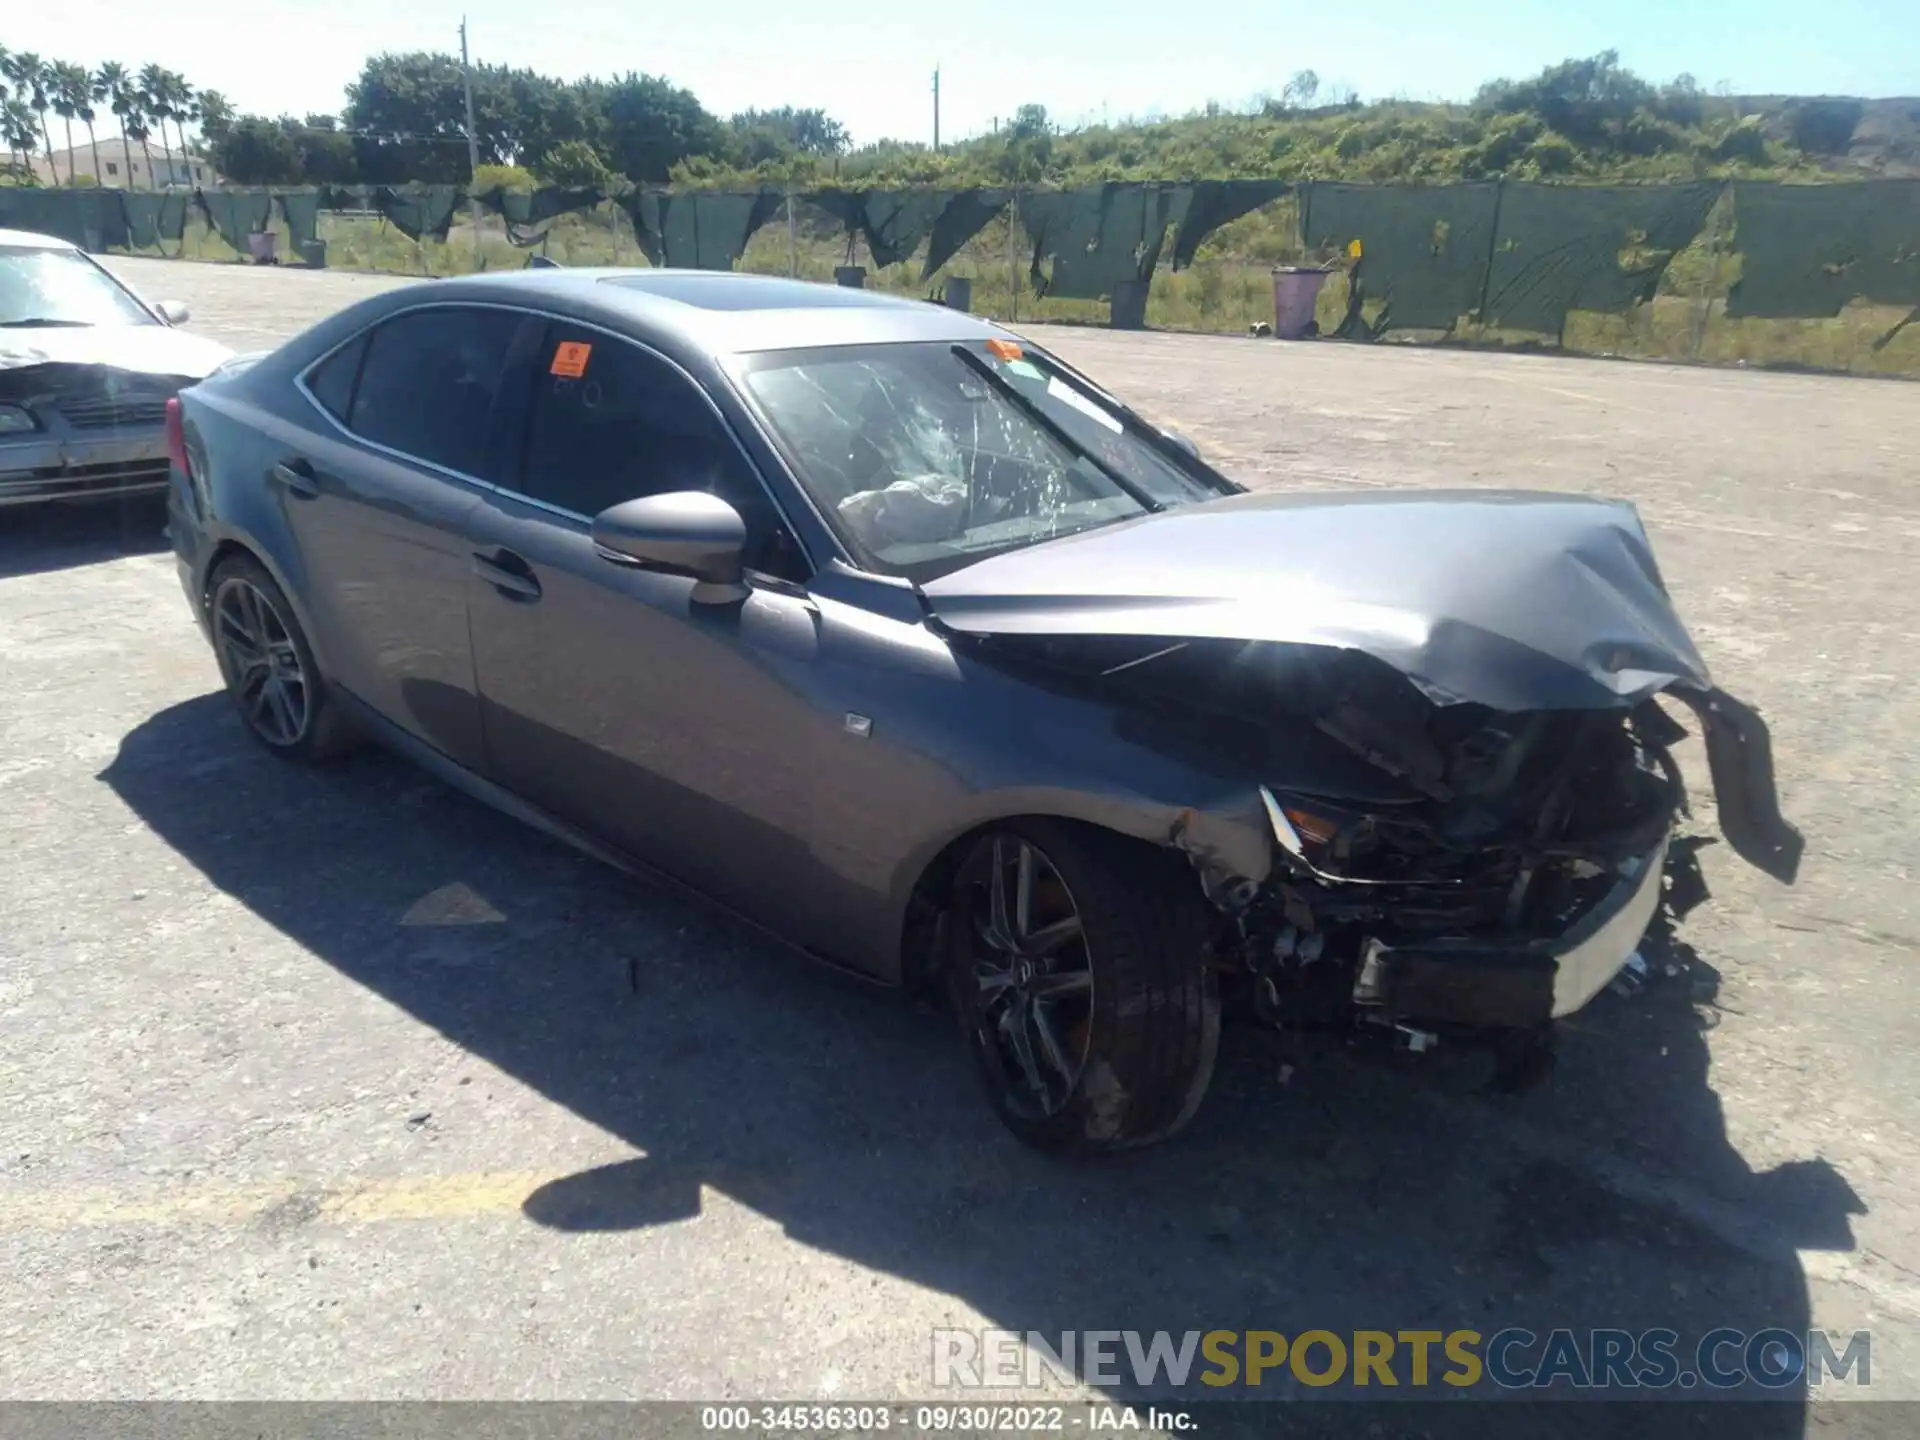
959	294
1295	290
854	277
261	245
313	254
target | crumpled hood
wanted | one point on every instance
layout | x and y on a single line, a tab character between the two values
1515	600
141	349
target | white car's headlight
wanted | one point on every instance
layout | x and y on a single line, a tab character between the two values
16	420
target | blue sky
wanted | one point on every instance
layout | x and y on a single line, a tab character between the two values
870	65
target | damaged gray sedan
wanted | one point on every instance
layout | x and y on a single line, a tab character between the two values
86	370
894	634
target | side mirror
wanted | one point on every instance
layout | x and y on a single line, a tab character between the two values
173	312
688	532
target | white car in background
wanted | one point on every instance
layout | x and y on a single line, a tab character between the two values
86	370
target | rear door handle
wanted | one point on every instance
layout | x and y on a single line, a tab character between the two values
507	573
297	475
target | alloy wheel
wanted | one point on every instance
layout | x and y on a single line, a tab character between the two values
1027	982
262	663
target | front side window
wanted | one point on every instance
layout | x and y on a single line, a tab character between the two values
428	382
609	422
44	288
927	456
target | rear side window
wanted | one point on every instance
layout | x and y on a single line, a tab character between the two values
610	422
331	381
428	384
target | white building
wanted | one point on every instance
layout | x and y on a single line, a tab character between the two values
114	172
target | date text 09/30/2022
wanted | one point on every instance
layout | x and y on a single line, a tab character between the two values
1098	1418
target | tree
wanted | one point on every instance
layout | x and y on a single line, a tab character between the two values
575	163
90	83
31	77
1299	92
182	106
326	152
138	129
116	87
18	123
1581	99
412	110
653	125
1030	122
216	116
68	88
257	151
805	132
154	101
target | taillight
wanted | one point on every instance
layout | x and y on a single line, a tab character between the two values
177	439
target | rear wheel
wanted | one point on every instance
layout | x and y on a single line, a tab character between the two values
268	666
1078	966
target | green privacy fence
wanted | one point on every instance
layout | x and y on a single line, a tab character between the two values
1488	260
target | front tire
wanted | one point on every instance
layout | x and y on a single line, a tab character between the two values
1077	962
268	666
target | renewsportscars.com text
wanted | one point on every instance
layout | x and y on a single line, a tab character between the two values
1510	1359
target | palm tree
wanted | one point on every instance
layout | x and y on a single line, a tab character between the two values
67	88
155	99
183	100
97	94
216	115
115	86
17	125
138	128
30	75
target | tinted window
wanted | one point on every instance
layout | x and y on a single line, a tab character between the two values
609	422
331	381
428	384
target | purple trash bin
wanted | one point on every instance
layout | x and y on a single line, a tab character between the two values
1295	290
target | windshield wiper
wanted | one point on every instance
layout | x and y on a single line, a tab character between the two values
41	322
1053	428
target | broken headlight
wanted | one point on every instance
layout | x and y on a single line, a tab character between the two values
1310	835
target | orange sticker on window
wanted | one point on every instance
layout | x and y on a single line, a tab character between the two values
570	359
1003	349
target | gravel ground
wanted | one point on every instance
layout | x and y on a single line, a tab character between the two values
335	1085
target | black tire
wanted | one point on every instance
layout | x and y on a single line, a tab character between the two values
1144	1040
240	587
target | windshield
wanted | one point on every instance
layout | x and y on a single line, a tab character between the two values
926	457
61	287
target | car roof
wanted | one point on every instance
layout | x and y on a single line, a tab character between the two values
726	312
34	240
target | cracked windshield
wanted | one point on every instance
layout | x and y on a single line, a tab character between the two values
929	456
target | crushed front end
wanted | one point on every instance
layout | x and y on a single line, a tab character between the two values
1514	884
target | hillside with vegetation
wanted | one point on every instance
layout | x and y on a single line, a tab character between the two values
404	119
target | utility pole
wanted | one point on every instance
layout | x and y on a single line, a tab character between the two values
473	144
936	107
466	83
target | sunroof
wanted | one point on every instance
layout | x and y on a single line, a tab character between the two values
713	290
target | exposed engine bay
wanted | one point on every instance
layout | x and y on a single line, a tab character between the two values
1480	870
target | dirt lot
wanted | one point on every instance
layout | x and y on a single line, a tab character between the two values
334	1084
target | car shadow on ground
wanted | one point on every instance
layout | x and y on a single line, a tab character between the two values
36	539
1342	1196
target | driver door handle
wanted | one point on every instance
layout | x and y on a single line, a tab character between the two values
507	573
297	475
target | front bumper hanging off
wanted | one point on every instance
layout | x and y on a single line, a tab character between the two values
1495	984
